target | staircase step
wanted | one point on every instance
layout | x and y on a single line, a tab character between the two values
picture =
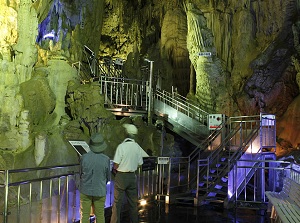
212	170
224	179
219	192
218	165
209	178
214	200
218	187
202	191
223	159
203	184
222	184
185	200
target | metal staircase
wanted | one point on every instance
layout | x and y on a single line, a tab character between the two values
213	170
217	179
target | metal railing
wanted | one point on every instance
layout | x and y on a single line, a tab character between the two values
109	68
32	194
251	149
182	105
82	72
268	175
179	174
147	182
127	93
50	194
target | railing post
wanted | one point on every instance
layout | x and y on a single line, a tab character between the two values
5	213
189	174
241	134
150	92
197	182
207	174
167	200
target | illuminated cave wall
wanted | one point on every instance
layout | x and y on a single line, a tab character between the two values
253	67
251	44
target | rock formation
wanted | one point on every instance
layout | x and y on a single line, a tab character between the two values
230	57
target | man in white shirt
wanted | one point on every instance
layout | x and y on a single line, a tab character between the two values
129	155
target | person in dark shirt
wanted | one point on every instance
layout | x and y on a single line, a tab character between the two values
94	174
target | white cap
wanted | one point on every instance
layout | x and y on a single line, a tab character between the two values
130	129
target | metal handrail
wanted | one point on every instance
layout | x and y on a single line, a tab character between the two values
212	159
10	181
120	92
66	176
185	107
278	170
243	130
40	168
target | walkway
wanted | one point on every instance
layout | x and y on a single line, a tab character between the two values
156	213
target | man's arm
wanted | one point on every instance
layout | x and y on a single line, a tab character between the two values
114	169
115	166
108	173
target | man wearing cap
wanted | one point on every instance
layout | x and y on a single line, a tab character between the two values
94	174
129	155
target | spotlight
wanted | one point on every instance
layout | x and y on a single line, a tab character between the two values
143	202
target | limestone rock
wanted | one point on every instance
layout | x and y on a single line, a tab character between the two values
288	126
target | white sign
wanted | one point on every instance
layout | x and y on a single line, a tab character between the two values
81	147
119	61
268	120
204	54
163	160
215	121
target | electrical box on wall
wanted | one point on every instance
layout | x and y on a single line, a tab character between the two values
215	121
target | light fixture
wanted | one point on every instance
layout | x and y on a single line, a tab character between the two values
143	202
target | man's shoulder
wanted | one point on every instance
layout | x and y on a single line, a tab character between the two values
92	154
106	157
102	155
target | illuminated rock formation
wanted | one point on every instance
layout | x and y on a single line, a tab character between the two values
251	63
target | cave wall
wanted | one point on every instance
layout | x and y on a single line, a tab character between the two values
253	67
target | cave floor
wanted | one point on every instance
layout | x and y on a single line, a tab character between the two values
160	213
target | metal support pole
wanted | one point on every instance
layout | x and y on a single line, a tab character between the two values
162	139
5	213
150	92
